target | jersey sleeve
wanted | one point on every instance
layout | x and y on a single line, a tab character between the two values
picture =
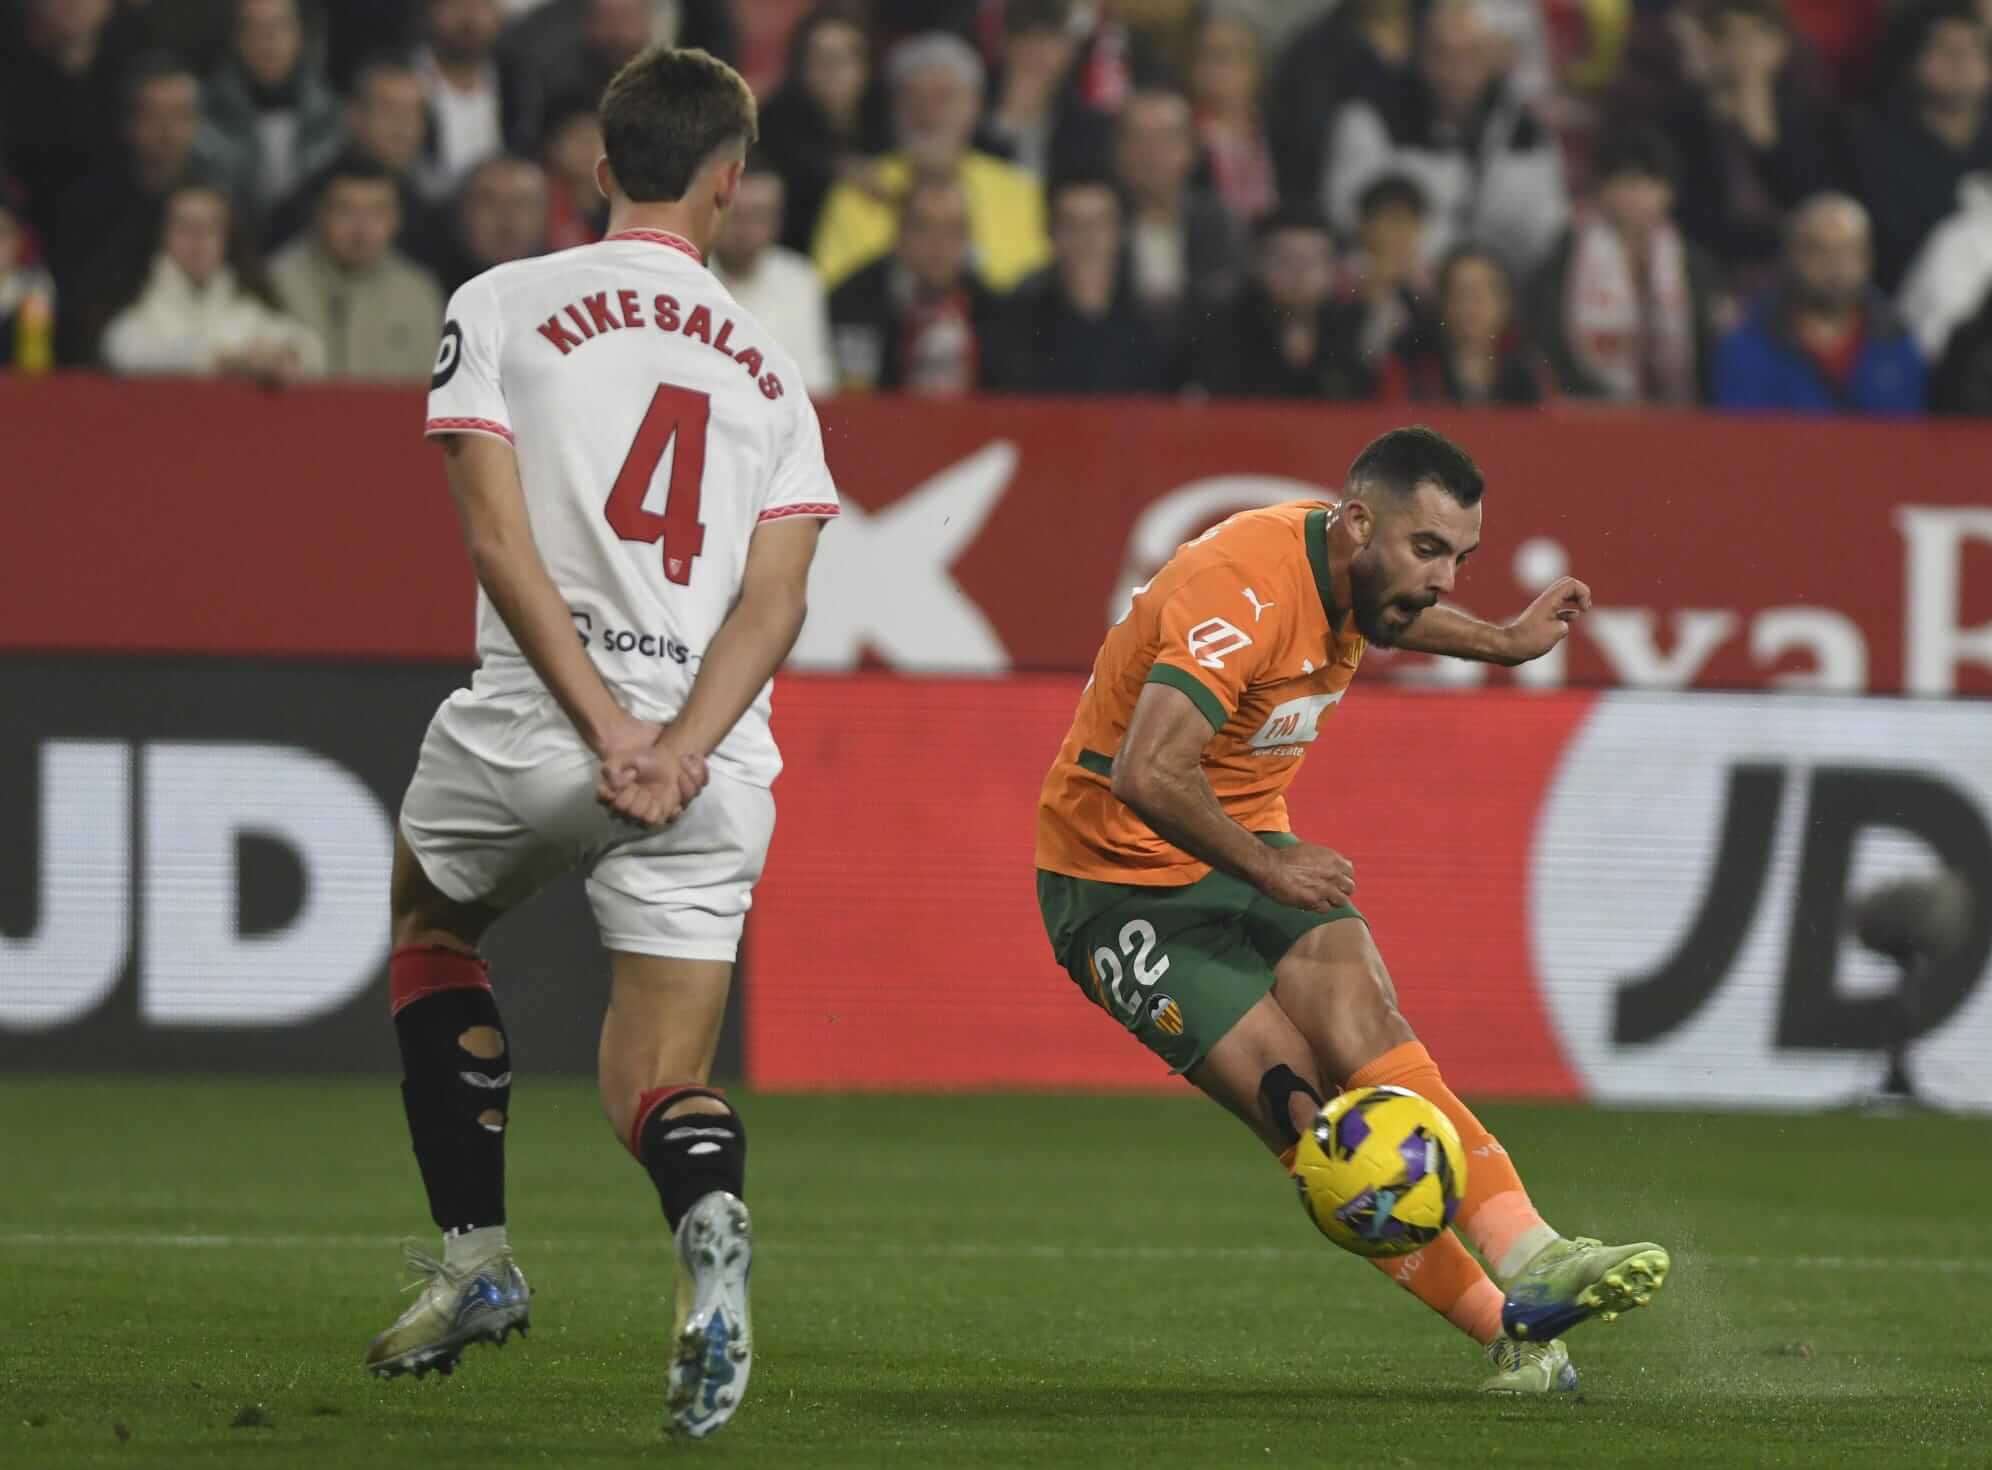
801	484
1212	642
465	396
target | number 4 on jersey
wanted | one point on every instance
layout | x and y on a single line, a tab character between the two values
674	413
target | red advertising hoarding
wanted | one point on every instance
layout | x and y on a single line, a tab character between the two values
1633	897
1002	535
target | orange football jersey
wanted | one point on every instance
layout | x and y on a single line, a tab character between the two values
1241	621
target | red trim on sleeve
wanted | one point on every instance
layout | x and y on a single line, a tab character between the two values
467	426
811	508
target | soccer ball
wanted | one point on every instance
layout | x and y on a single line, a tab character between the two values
1381	1172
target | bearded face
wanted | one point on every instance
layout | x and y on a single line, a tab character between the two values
1416	545
1384	610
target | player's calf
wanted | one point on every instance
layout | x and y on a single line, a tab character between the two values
456	1090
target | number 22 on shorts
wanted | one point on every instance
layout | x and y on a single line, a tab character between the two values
1137	943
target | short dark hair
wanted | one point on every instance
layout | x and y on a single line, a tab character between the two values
379	64
1392	190
354	167
1638	150
1709	14
666	114
1064	183
1291	217
1021	16
1402	460
149	67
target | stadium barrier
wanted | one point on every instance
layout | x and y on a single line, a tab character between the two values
225	618
1637	897
1000	536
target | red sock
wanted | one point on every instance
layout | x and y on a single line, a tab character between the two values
422	970
1496	1214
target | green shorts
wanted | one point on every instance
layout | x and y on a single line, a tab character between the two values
1176	966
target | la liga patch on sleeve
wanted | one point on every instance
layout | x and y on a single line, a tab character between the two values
449	352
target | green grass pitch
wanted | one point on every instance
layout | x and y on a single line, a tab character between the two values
190	1270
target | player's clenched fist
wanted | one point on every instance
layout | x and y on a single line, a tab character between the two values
1308	877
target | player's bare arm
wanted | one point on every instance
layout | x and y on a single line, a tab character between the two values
749	646
1529	635
1159	774
484	482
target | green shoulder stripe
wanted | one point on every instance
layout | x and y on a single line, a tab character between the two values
1211	706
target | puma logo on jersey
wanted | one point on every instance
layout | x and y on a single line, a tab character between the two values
1213	640
1258	607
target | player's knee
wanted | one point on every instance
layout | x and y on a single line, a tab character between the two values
1288	1101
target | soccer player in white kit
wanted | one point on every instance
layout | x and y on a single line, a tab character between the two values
641	482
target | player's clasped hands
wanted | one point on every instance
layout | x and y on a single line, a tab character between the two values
645	779
1305	876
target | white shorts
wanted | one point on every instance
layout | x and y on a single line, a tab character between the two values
503	799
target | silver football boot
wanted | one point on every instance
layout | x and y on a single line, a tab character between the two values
712	1345
485	1301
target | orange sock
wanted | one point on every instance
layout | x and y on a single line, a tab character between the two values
1446	1278
1496	1214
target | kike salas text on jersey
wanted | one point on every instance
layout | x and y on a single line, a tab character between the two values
603	312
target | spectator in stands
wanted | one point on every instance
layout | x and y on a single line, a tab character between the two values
387	120
828	120
1624	308
1225	78
1750	130
1961	382
1825	341
1492	174
1386	278
1287	336
570	47
1930	132
205	310
1036	118
1952	273
272	121
1361	50
100	243
577	214
936	84
479	103
376	311
58	101
1185	245
918	320
778	286
27	297
1076	327
501	216
1475	353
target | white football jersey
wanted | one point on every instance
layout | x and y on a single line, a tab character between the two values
656	425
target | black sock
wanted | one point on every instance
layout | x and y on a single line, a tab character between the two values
458	1104
691	1155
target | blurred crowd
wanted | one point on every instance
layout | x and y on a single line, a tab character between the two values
1751	204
